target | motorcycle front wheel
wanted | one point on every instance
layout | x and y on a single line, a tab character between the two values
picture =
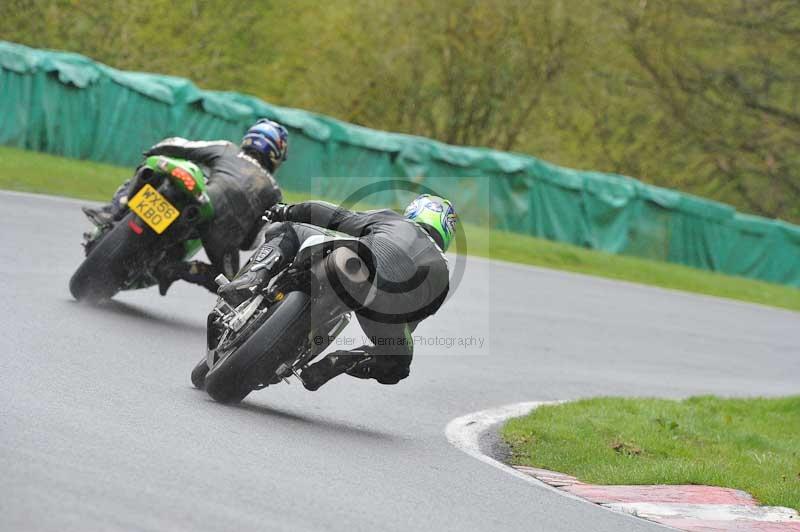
276	341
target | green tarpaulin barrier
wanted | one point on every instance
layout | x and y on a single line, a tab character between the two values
69	105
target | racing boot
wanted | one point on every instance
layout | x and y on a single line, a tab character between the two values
167	273
363	369
195	272
110	212
246	284
200	273
271	257
329	367
113	212
101	216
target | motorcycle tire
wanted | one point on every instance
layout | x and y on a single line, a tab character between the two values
199	374
276	341
102	273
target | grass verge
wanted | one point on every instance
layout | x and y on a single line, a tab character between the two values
42	173
749	444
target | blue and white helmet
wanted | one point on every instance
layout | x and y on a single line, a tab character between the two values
268	142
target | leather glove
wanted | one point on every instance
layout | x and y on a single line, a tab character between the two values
277	213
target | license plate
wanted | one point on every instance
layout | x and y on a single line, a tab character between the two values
153	208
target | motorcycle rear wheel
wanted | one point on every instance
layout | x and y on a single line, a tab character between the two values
276	341
102	273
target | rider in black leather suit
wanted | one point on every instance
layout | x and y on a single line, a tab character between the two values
241	187
411	277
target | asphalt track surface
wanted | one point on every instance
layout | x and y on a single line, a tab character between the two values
100	428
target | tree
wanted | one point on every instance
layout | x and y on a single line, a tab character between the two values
728	74
699	96
465	72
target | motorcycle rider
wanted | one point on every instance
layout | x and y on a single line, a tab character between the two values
241	186
411	277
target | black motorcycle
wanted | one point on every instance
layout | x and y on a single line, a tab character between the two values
286	324
168	202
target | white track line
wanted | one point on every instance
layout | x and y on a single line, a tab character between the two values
465	432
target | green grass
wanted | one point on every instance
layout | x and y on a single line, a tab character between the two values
27	171
524	249
41	173
748	444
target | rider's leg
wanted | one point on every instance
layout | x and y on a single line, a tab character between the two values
386	369
331	366
279	248
388	364
225	261
195	272
115	210
107	213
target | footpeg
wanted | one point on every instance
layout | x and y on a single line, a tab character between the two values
283	370
299	377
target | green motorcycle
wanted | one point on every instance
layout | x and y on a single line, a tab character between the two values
167	204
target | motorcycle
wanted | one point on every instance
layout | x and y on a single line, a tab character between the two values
275	333
168	202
